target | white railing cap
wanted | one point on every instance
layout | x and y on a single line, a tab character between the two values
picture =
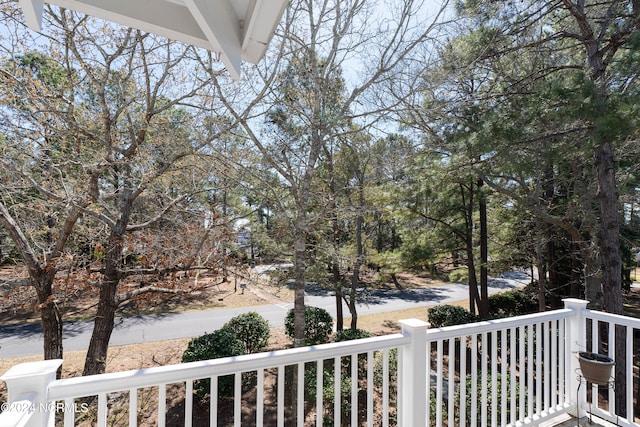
414	323
32	369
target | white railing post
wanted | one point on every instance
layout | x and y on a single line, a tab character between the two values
27	386
576	341
413	376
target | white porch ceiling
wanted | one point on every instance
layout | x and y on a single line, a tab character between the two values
237	29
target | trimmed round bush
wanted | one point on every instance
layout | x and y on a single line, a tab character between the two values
515	302
252	329
221	343
449	315
318	325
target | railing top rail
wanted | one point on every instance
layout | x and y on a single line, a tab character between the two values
107	383
496	325
615	318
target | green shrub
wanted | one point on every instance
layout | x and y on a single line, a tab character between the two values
252	329
378	379
318	325
328	393
512	303
348	335
378	369
351	334
221	343
449	315
470	386
459	275
378	382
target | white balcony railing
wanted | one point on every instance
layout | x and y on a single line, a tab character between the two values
517	371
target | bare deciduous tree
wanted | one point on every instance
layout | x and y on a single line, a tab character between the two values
103	132
319	43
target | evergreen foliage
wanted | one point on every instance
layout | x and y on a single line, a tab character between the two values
251	329
221	343
351	334
449	315
318	325
515	302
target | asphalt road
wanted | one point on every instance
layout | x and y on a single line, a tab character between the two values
26	339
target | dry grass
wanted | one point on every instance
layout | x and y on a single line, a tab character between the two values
387	322
121	358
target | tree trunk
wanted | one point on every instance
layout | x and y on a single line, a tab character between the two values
592	279
42	279
542	270
51	322
96	359
335	240
609	233
607	194
299	260
354	314
474	300
337	280
104	322
50	317
52	331
609	230
353	296
484	254
555	278
611	261
396	282
355	279
576	278
339	313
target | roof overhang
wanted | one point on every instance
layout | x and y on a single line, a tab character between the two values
237	29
